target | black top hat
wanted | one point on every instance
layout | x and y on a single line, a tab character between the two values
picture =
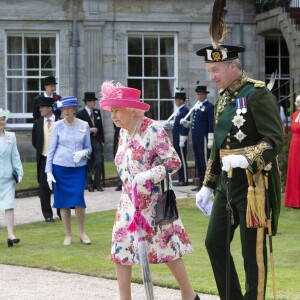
223	53
180	96
89	96
201	89
49	80
45	101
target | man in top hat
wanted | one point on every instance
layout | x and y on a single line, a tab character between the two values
96	161
41	132
247	139
180	135
49	85
202	132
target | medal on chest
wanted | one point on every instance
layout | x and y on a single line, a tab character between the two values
238	120
241	105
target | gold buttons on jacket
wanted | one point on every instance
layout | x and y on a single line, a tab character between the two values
228	140
227	147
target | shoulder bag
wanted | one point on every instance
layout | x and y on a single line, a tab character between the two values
166	208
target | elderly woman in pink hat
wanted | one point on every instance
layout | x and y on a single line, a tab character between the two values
144	151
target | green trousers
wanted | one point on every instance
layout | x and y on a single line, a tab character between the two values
253	241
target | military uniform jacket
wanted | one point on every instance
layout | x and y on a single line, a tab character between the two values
179	129
257	131
203	119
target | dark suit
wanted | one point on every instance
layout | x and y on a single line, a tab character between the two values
97	141
36	107
44	190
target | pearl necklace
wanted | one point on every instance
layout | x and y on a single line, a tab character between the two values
131	135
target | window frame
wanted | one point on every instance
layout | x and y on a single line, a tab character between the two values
24	34
157	34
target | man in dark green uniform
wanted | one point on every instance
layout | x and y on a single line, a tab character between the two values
247	137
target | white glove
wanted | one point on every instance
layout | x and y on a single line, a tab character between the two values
185	123
182	140
141	178
50	179
210	140
203	201
234	161
78	155
20	178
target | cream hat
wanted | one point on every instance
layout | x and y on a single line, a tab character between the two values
4	113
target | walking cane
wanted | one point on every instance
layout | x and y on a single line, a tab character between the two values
184	166
230	222
266	181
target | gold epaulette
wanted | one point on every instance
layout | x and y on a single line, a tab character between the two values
256	83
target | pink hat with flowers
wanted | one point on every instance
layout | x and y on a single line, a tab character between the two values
117	95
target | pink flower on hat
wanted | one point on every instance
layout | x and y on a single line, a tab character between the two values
117	95
109	90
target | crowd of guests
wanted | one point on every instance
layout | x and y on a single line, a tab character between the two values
232	135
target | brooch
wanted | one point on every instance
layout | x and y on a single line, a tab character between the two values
240	135
238	121
82	128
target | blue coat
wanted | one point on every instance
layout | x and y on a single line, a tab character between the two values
178	129
203	120
9	161
9	157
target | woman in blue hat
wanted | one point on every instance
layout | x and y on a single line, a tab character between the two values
69	148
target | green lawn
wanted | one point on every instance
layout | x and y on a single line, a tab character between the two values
30	181
41	247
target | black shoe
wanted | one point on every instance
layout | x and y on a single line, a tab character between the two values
90	188
11	242
197	297
118	188
196	189
99	188
49	220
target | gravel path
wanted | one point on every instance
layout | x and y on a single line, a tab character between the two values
24	283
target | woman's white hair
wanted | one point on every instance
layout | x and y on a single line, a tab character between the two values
297	99
137	111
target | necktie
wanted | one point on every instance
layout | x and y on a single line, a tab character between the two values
92	118
48	124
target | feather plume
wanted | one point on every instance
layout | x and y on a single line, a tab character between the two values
218	28
109	90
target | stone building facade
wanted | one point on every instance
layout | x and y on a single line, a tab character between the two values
84	42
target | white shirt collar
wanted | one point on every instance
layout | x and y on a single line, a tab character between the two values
88	110
45	95
52	118
201	103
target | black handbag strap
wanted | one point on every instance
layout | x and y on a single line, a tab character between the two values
167	181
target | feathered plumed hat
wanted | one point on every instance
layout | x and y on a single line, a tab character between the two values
218	32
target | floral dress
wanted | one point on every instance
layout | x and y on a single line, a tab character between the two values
149	149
